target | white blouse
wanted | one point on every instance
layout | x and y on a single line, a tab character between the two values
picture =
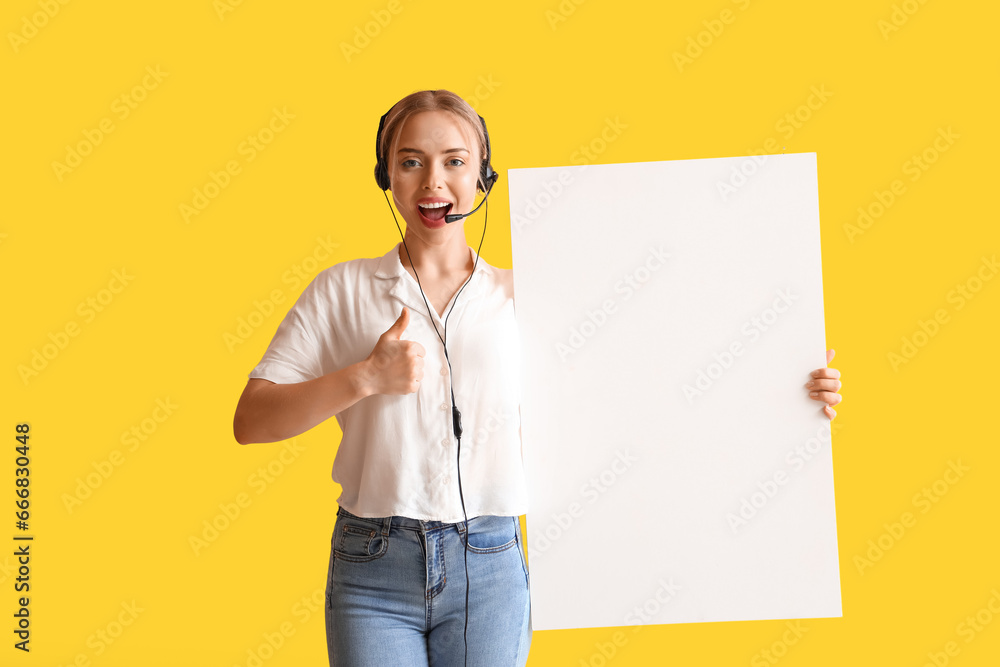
399	453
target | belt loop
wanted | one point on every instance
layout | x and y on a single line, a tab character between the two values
386	525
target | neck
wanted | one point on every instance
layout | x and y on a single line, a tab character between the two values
433	261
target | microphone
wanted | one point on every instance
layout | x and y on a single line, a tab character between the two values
455	217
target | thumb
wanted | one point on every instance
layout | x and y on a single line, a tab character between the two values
396	330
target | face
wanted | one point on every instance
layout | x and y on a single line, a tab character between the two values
435	163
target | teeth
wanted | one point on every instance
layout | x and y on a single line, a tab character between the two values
434	205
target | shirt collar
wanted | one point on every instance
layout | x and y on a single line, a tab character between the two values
390	265
391	268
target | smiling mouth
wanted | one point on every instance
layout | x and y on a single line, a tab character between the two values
434	212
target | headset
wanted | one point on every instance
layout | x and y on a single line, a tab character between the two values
487	178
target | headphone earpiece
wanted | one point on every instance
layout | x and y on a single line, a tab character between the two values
486	173
381	169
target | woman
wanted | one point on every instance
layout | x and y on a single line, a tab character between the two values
401	526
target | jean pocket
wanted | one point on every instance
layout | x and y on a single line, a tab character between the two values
490	534
359	542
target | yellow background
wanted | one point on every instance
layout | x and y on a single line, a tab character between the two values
546	82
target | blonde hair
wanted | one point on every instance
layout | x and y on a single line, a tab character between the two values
431	100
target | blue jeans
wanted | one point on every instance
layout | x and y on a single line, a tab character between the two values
395	593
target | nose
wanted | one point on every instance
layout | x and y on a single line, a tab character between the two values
433	176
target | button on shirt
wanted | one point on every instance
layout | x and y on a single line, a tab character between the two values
398	455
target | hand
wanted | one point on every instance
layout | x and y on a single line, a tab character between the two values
824	385
396	366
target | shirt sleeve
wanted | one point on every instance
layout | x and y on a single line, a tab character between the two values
298	351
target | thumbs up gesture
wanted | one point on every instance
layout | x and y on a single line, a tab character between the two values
396	366
824	385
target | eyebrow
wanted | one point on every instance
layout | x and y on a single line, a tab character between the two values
419	152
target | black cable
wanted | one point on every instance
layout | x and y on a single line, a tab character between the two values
456	415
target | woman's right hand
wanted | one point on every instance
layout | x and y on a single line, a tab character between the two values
396	366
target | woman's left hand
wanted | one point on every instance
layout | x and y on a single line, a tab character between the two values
825	385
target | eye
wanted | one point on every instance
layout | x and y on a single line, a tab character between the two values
458	160
406	163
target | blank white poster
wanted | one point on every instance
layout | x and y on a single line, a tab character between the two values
670	314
